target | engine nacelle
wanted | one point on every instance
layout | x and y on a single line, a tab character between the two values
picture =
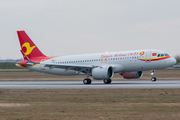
104	72
132	75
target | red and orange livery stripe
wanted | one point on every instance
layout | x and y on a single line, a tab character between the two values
156	59
22	66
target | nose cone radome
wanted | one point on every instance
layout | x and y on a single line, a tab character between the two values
173	61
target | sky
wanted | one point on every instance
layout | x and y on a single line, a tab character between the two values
67	27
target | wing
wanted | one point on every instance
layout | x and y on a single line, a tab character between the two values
76	67
82	68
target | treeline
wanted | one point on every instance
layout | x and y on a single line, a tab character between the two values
7	65
178	61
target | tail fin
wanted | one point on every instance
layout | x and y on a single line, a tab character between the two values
28	47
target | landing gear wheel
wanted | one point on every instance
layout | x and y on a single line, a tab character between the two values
107	81
87	81
153	79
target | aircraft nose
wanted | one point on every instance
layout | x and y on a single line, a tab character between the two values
173	61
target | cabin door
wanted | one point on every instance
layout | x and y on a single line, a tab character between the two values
148	56
42	66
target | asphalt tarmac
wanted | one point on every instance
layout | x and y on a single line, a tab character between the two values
94	85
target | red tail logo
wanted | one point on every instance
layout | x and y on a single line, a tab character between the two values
28	47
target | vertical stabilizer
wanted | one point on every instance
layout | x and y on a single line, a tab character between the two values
28	47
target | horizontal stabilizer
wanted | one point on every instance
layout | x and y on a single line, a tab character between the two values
26	64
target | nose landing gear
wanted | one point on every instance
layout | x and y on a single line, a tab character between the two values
153	79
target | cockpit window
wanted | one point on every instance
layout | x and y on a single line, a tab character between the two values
162	55
166	54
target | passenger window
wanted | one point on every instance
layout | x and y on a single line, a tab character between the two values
158	55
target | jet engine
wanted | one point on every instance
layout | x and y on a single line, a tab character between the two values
104	72
132	75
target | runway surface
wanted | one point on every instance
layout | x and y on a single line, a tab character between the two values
95	84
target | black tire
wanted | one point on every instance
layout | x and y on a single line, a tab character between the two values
153	79
87	81
107	81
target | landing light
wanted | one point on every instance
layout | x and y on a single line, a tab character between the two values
106	51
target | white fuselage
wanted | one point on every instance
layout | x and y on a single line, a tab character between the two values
121	62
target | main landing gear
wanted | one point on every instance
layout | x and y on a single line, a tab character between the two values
153	79
87	81
107	81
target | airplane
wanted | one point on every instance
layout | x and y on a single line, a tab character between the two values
99	66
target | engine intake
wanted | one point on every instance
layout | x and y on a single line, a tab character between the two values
132	75
104	72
